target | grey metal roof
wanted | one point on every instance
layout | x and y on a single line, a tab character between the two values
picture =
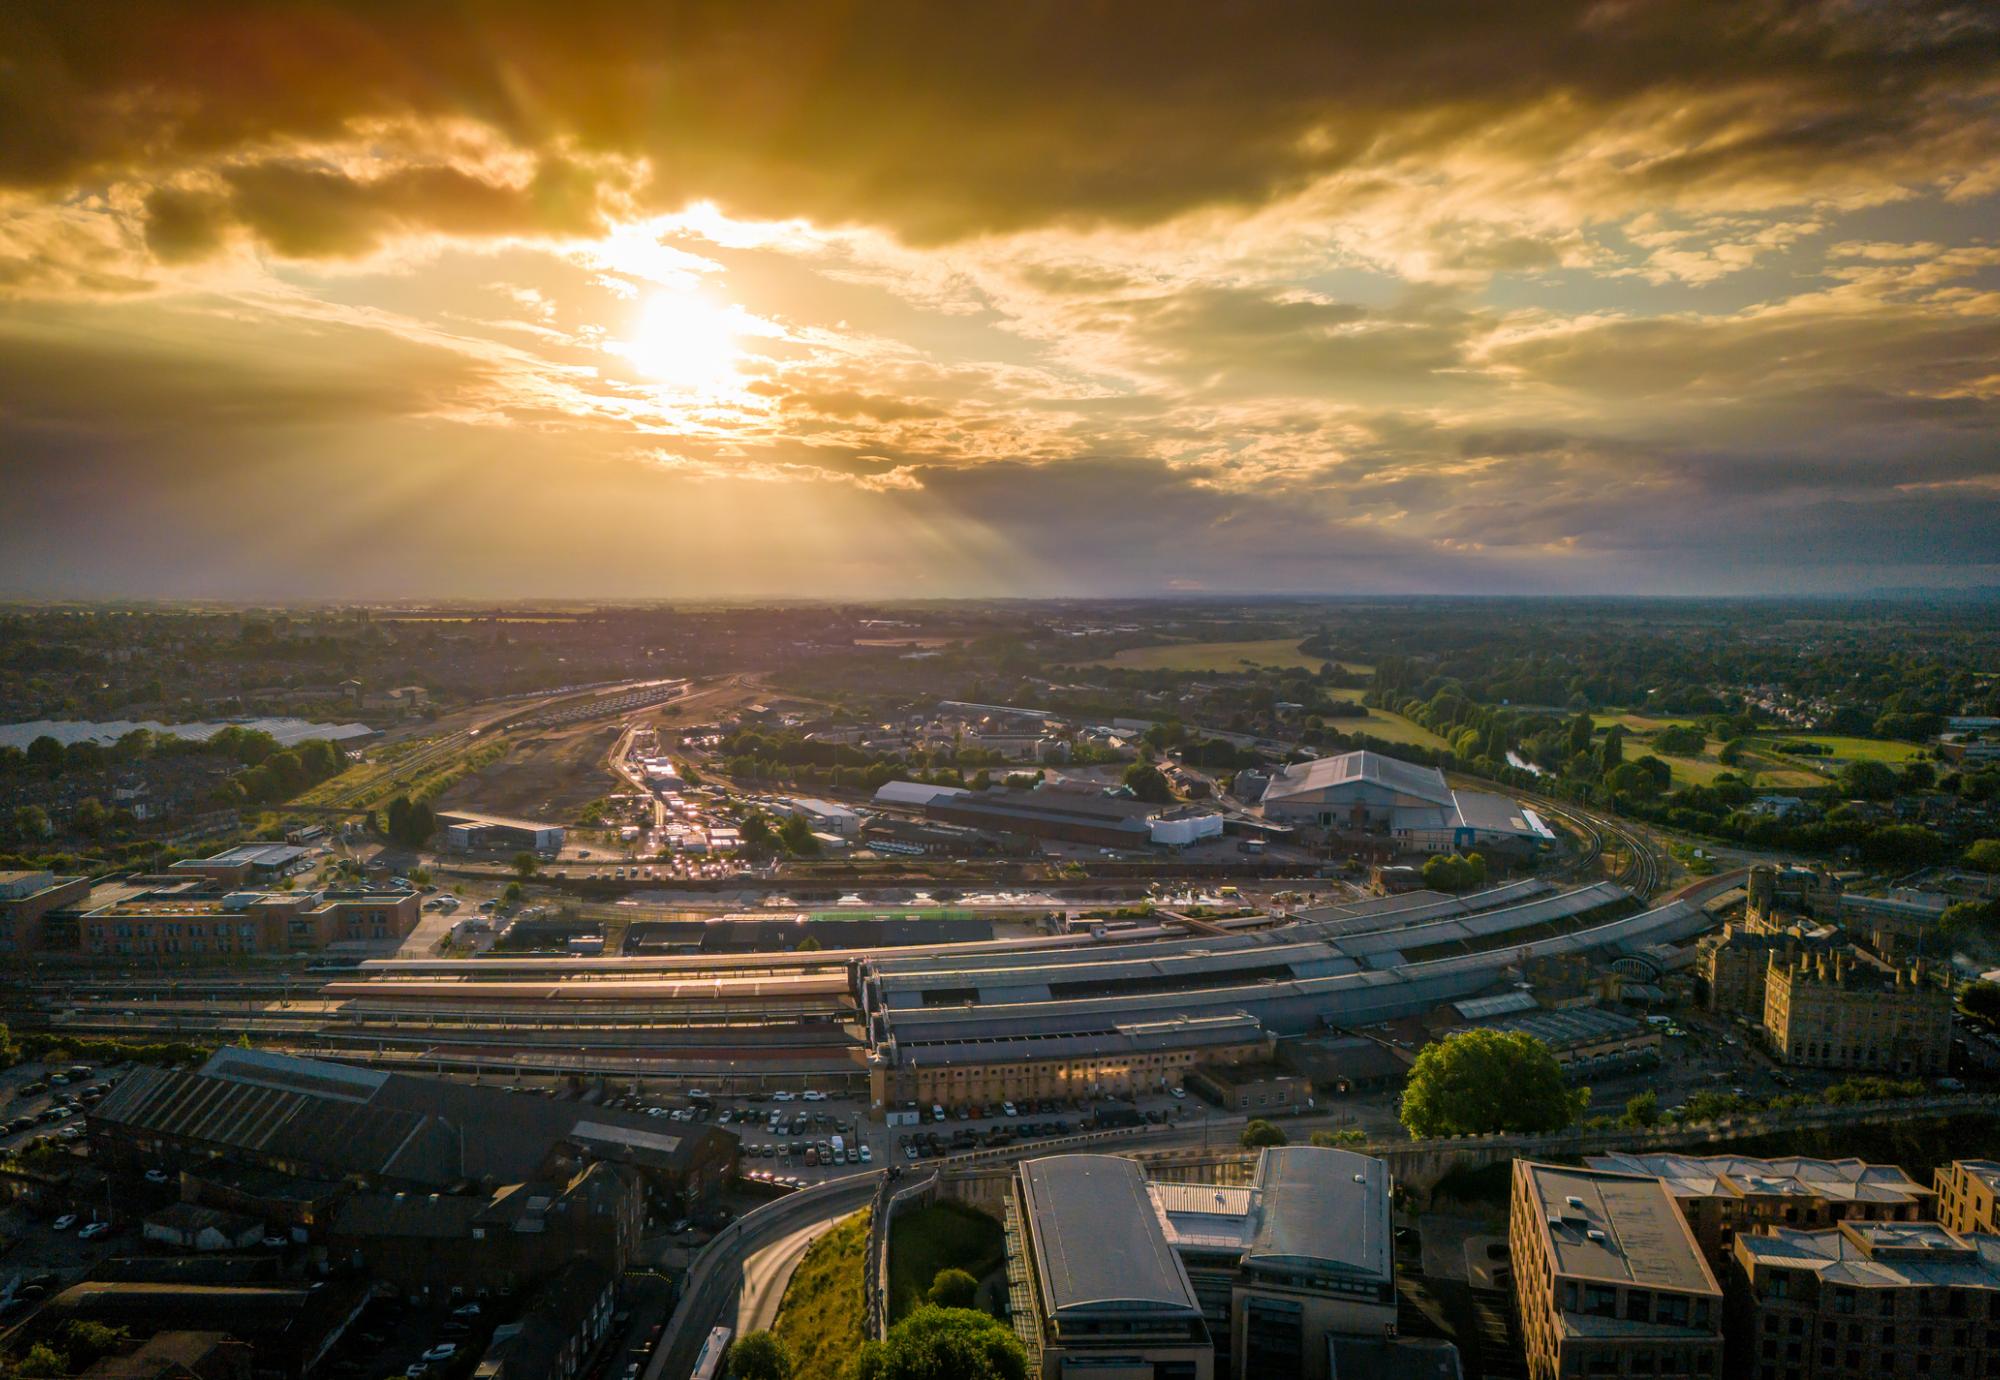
1411	907
1323	1207
1299	1005
1371	768
1097	1241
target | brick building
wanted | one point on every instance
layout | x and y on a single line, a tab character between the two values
1725	1196
1608	1277
1864	1300
193	922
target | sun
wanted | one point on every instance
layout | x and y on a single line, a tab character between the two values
684	340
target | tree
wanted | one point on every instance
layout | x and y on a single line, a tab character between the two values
1450	872
525	864
1867	781
1642	1110
1612	754
1261	1133
1478	1082
1984	856
951	1288
31	822
90	816
808	945
45	755
1981	1001
759	1356
1149	783
1333	1139
514	892
1730	754
797	836
942	1344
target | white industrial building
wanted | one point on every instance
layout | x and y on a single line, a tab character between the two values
1413	807
826	817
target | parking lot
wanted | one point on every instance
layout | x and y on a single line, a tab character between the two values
39	1100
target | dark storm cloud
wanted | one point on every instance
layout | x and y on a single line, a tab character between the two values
942	120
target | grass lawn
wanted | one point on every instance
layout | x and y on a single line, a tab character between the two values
1392	727
820	1318
1220	656
940	1237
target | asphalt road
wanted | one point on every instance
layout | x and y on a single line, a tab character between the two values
765	1275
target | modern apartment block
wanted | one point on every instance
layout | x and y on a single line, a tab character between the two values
1864	1300
1300	1254
1098	1292
1968	1196
1608	1277
1726	1196
1840	1011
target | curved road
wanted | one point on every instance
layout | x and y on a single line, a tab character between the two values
768	1272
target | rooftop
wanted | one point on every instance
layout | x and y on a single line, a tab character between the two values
1882	1255
1849	1180
1098	1243
1404	778
1619	1228
1324	1207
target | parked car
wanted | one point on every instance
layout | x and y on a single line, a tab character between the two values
64	1222
93	1230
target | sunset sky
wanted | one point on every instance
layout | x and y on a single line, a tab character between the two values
876	300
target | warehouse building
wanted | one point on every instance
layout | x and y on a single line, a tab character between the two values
1365	796
466	831
381	1130
1106	821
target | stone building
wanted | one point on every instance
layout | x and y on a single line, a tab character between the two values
1839	1011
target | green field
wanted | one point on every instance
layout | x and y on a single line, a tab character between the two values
1851	749
820	1319
1391	727
944	1236
1220	656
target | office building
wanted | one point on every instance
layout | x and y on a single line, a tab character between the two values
27	896
191	923
1726	1196
1097	1292
1301	1254
1608	1277
1865	1300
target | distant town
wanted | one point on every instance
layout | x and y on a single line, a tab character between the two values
1165	989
